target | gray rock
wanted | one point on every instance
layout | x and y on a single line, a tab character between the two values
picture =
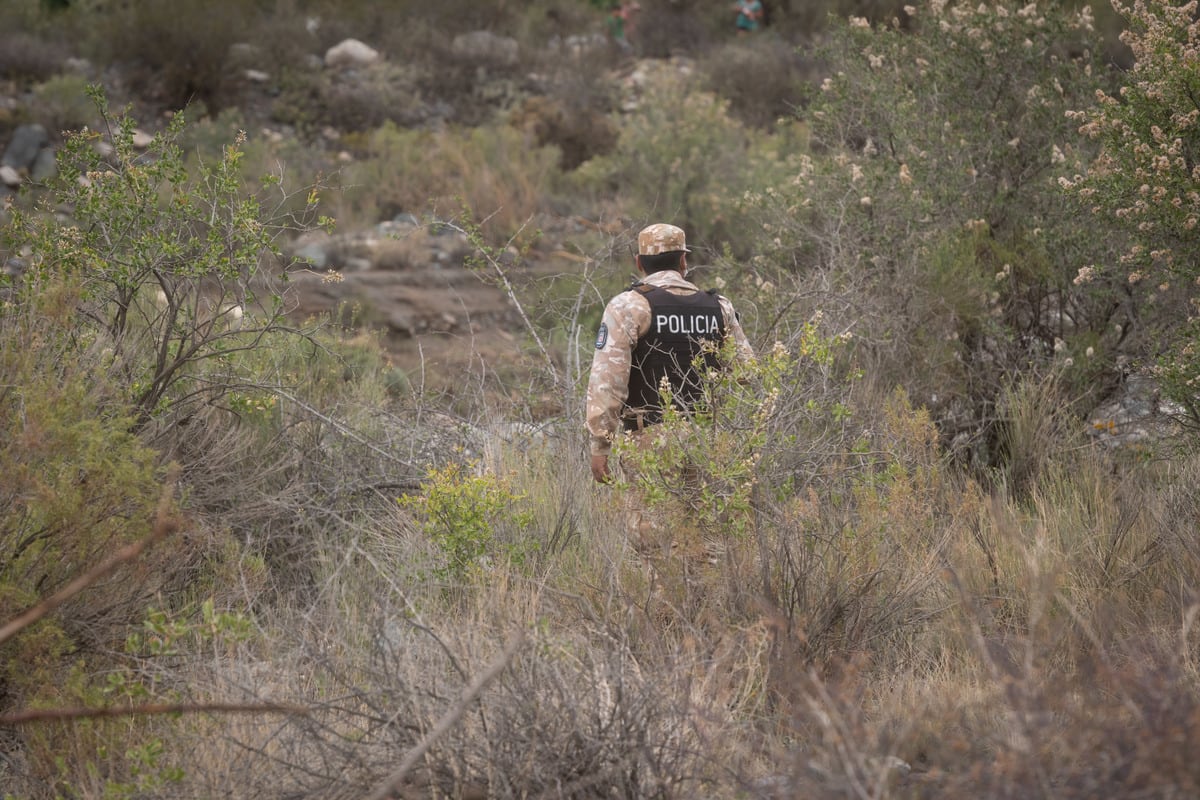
314	254
45	166
9	176
1137	413
14	267
23	148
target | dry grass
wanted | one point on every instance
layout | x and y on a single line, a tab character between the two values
498	175
979	672
934	643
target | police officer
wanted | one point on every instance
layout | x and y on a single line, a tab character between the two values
653	332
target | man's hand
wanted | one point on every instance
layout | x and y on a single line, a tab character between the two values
600	468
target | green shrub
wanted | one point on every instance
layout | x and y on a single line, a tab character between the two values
63	104
28	58
183	312
311	100
929	211
764	78
495	172
465	514
178	51
170	267
262	153
679	156
78	486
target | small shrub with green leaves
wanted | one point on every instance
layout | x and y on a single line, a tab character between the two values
178	51
497	172
763	78
63	104
471	518
679	156
78	486
704	466
713	480
28	58
172	267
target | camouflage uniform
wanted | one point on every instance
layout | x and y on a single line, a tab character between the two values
627	319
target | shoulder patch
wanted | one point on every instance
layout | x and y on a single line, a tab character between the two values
602	336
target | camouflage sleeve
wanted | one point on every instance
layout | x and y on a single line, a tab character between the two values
745	352
608	385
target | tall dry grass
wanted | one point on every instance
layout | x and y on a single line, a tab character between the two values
910	635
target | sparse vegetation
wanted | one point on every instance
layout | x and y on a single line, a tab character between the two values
244	553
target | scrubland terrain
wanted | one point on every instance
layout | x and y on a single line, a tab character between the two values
294	496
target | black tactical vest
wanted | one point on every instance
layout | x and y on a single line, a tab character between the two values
678	325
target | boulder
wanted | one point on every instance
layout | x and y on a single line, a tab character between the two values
1136	413
351	53
45	166
23	148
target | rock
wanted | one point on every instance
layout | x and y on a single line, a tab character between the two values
313	248
9	176
486	47
1137	413
142	140
351	53
45	166
27	141
256	75
314	255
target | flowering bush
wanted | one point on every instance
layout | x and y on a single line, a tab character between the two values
1144	182
926	215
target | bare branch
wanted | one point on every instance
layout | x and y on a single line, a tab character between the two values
34	715
449	719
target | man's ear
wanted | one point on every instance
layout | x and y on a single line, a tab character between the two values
637	262
682	264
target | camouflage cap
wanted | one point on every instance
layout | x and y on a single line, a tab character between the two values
661	238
